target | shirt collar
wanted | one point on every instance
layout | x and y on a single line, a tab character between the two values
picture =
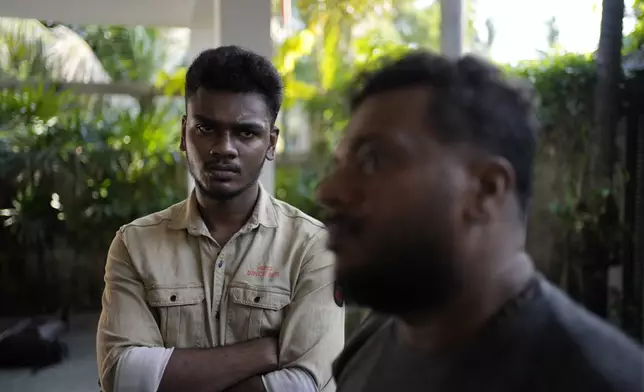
188	217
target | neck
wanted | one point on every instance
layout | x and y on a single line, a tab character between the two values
231	213
482	298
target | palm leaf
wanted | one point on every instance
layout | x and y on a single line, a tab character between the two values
70	58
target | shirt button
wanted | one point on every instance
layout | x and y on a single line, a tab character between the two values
173	298
257	299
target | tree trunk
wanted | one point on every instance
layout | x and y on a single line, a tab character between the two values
601	144
607	97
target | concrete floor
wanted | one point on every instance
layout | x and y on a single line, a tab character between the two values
76	374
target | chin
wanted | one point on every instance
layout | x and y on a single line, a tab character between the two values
395	285
220	191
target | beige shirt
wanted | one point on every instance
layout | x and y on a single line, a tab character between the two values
169	284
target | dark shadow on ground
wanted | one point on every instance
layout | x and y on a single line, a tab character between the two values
76	374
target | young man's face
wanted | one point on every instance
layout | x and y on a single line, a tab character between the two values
227	137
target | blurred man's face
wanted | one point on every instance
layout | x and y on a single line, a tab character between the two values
395	200
226	138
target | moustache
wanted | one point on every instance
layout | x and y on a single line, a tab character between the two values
341	227
336	218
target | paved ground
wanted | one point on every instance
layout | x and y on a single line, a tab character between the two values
77	374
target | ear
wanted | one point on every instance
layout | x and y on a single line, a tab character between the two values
182	142
273	136
493	184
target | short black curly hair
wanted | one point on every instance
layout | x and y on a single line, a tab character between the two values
233	69
473	102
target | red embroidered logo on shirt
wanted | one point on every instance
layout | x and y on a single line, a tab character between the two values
263	271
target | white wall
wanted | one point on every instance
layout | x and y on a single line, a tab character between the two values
170	13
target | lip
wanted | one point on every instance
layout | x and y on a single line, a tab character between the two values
333	240
343	229
221	174
339	237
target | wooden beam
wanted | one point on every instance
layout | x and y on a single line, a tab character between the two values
132	89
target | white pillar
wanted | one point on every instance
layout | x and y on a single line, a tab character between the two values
452	27
246	23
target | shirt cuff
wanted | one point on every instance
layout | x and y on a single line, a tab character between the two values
140	369
289	380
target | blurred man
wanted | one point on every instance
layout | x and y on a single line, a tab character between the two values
427	217
230	289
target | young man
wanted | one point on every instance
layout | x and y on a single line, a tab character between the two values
427	217
231	289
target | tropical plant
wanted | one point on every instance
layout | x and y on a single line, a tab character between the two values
333	42
74	178
29	49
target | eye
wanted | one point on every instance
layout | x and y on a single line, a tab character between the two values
203	129
247	131
367	159
247	134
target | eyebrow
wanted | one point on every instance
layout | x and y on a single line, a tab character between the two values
216	123
348	150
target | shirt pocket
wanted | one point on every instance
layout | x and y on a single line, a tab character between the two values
254	312
182	313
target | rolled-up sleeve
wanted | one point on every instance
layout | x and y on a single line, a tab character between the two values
289	380
312	334
126	319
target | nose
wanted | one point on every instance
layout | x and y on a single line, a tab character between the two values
223	145
333	192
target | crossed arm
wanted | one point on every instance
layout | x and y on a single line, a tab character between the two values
144	369
191	369
305	353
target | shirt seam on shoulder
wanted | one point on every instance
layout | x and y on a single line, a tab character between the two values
302	215
132	224
312	241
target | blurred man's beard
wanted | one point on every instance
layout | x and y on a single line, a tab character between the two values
403	277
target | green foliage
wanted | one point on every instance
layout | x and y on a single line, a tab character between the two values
418	27
591	230
593	234
318	80
635	40
564	86
338	40
127	53
100	169
73	169
72	178
23	48
296	186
